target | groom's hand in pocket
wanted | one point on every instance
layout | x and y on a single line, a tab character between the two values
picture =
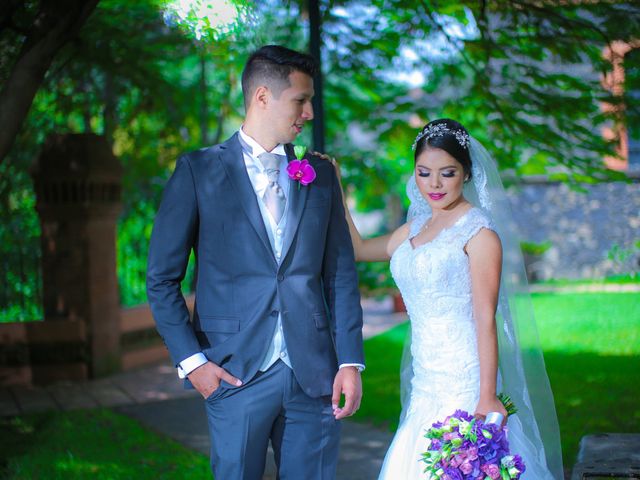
349	384
207	377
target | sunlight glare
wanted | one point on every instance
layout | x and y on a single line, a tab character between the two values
206	18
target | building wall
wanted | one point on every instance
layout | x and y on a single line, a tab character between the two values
583	228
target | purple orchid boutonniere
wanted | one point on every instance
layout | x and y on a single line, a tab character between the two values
300	170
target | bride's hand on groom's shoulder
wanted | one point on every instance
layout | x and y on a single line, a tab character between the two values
331	160
490	404
324	156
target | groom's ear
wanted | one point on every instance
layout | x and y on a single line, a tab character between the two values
261	96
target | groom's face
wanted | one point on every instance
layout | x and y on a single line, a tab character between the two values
288	112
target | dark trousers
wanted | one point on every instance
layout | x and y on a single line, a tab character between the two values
272	406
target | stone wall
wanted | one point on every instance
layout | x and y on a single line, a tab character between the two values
582	227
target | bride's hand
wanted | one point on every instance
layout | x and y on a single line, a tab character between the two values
331	159
490	404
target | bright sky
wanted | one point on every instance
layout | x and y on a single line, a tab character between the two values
221	15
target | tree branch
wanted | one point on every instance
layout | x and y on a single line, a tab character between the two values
570	24
53	26
493	99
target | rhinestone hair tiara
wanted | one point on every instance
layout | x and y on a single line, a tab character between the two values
439	130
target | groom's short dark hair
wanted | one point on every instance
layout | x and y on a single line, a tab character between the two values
271	65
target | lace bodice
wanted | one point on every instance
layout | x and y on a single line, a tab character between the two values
435	283
436	274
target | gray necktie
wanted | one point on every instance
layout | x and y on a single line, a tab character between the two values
273	197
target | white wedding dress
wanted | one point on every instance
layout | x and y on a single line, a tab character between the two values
435	283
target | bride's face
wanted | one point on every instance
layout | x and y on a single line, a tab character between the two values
440	178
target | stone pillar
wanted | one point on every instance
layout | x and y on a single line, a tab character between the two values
78	187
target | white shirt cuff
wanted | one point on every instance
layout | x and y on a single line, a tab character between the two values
188	365
359	366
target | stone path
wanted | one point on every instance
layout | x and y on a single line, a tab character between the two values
362	447
149	384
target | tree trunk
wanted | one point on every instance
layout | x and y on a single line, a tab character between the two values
110	112
55	23
204	110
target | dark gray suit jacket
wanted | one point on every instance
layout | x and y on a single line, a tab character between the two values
209	205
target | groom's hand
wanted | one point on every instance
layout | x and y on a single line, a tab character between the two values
207	377
349	384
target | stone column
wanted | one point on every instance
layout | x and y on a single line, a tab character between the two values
78	187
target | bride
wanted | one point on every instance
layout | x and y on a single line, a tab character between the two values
472	335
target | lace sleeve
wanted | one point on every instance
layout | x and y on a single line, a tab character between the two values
476	221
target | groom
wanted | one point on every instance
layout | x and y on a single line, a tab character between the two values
276	336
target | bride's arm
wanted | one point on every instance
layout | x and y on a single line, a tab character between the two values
485	261
373	249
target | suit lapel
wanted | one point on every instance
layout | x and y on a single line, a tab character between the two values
297	199
233	163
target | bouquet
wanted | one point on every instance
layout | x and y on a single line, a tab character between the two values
465	448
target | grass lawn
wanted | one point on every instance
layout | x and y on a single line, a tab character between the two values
591	344
623	278
92	444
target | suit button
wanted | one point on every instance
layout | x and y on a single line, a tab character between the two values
280	277
274	313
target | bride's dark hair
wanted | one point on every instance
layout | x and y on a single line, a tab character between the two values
449	136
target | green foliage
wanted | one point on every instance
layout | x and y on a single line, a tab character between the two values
134	232
19	247
210	21
533	248
381	379
375	278
95	444
136	81
524	77
509	406
591	345
620	256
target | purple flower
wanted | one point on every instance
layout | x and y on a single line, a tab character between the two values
301	171
462	415
437	425
463	448
472	452
513	465
492	470
447	437
466	467
452	474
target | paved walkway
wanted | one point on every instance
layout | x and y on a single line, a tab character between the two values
155	396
